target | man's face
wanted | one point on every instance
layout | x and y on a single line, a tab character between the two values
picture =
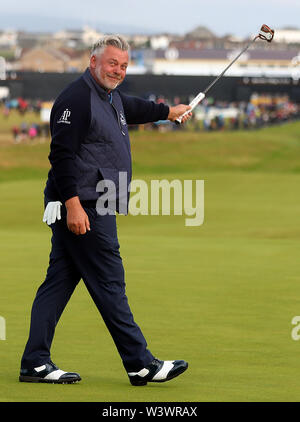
109	68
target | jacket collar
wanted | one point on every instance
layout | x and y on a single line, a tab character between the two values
87	76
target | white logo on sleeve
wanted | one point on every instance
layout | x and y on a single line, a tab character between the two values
64	117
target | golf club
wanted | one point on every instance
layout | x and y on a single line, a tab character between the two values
265	34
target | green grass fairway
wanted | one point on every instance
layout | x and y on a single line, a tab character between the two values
221	296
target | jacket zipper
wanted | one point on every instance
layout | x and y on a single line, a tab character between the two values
116	111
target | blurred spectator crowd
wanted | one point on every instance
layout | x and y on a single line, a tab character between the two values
210	115
30	131
21	105
25	130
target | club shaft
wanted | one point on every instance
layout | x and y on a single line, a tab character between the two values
202	95
230	64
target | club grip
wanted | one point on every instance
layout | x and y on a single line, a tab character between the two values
192	104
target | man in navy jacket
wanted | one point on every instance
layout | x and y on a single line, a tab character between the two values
90	143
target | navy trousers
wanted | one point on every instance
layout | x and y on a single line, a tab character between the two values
95	258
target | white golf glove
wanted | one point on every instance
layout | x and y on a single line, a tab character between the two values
52	212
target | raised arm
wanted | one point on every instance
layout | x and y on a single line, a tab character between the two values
139	111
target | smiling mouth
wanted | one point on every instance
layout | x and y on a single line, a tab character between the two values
114	78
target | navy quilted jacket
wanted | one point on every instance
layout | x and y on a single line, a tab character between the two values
90	140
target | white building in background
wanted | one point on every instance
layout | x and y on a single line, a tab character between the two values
2	68
71	38
211	62
8	38
86	36
159	41
288	36
90	36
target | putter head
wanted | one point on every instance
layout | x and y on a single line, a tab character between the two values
266	33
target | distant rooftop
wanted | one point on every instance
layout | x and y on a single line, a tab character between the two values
201	32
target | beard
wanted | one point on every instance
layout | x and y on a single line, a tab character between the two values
105	81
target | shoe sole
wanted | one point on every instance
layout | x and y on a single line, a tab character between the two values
23	378
139	383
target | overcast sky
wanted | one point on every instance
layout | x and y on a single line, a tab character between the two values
238	17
